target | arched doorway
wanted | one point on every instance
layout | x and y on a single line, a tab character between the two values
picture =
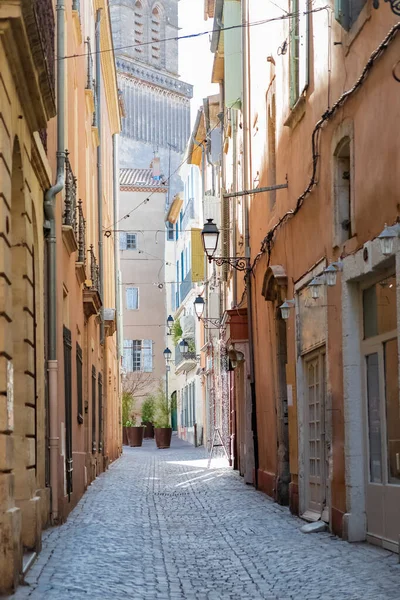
274	292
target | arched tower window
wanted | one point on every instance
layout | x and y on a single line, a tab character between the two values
155	26
139	29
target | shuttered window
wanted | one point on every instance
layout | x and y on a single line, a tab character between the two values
138	356
347	11
132	298
299	49
79	382
94	444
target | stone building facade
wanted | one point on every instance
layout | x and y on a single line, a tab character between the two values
157	102
315	393
59	371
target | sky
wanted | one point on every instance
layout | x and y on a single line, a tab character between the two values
195	58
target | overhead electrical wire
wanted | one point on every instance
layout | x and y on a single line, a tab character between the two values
196	35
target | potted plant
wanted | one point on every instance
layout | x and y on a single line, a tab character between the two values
148	409
162	420
135	433
127	406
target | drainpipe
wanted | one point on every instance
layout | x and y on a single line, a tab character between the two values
118	311
99	172
234	181
246	185
50	214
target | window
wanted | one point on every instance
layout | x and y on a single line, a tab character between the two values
138	356
128	241
298	51
132	298
342	191
170	232
138	29
155	35
347	12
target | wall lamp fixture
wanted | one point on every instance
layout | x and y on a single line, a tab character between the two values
387	237
210	236
199	305
329	277
184	350
285	309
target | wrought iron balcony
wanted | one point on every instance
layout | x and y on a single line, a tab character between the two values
90	77
185	361
80	265
69	217
91	292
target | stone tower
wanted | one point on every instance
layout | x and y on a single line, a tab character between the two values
157	102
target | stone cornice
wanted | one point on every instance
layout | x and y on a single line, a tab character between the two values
154	77
108	67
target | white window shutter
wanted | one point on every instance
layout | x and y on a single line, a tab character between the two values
132	298
122	241
303	45
147	355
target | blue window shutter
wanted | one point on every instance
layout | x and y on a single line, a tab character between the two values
147	354
122	241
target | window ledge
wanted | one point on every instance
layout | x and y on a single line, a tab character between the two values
296	113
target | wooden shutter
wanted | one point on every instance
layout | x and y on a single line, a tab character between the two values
147	355
197	255
79	382
68	408
122	241
100	415
94	443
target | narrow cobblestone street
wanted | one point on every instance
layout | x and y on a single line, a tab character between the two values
159	525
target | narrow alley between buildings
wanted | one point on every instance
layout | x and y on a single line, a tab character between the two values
160	525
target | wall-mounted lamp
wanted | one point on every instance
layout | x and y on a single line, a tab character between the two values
167	355
210	236
387	237
199	305
184	350
170	322
331	272
285	308
315	286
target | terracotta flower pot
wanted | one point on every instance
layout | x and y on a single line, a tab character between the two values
125	441
163	437
148	430
135	436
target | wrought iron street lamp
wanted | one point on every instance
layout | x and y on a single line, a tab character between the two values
170	322
184	350
167	355
210	236
199	305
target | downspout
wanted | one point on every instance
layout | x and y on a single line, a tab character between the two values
116	246
99	172
50	214
234	182
246	184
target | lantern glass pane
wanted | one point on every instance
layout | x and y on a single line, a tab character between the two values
386	245
331	278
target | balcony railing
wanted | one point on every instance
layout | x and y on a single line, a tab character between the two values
89	78
69	217
81	235
185	286
94	270
180	357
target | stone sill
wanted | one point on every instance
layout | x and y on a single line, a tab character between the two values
69	239
296	113
80	272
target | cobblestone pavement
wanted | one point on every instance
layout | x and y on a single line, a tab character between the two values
159	525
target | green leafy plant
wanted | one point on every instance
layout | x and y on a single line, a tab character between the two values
162	415
148	409
176	331
191	346
130	423
128	402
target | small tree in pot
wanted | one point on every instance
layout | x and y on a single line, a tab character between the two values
162	420
148	409
127	408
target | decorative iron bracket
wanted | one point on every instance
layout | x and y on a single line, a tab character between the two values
239	263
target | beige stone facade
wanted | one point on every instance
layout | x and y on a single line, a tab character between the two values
87	410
